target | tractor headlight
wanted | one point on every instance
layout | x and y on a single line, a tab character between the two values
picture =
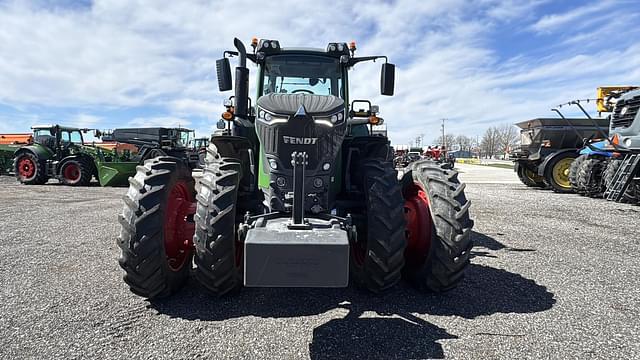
329	120
268	118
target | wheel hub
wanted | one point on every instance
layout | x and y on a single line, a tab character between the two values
419	228
179	226
26	168
561	172
72	172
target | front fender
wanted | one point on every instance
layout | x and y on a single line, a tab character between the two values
600	145
549	158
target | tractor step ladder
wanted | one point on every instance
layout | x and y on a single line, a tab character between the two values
623	178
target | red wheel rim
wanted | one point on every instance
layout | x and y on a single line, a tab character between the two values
419	228
72	172
26	168
179	226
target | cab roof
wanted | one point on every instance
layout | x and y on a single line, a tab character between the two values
61	127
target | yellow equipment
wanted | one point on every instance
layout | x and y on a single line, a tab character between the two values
605	94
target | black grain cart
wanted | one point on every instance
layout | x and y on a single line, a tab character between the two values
159	141
548	146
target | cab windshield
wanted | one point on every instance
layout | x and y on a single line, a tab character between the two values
302	74
183	139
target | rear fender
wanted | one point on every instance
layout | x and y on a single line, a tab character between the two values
39	151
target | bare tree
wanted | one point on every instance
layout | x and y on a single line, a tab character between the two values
490	142
450	139
507	137
464	142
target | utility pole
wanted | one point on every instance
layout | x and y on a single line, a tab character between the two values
444	141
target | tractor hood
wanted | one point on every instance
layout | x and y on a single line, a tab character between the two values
288	104
313	124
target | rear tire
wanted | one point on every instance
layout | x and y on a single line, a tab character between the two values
29	169
377	257
590	177
157	229
574	170
528	177
556	173
218	252
76	172
450	241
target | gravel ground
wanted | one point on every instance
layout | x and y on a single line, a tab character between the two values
554	276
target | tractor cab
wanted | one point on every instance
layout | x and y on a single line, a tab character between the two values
198	143
288	73
60	140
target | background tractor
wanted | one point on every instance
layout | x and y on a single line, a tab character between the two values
296	191
60	152
199	146
56	152
610	167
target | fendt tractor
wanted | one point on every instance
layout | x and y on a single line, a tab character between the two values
609	167
60	152
295	192
56	152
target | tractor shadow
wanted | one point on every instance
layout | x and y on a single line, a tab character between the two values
396	332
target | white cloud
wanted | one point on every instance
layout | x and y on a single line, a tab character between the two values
119	54
552	22
160	121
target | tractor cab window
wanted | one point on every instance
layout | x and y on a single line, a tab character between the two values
183	138
44	137
71	137
302	74
41	132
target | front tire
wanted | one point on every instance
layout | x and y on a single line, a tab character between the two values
574	170
157	228
76	172
436	261
218	256
377	255
528	177
590	177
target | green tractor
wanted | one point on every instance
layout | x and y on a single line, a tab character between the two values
295	192
57	152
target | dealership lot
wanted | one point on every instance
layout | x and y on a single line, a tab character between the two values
553	276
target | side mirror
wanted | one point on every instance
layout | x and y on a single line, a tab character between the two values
223	70
387	79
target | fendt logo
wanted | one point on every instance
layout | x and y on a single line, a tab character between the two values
299	140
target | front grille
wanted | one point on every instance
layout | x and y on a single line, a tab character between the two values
619	120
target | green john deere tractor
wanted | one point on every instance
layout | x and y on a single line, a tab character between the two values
296	192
